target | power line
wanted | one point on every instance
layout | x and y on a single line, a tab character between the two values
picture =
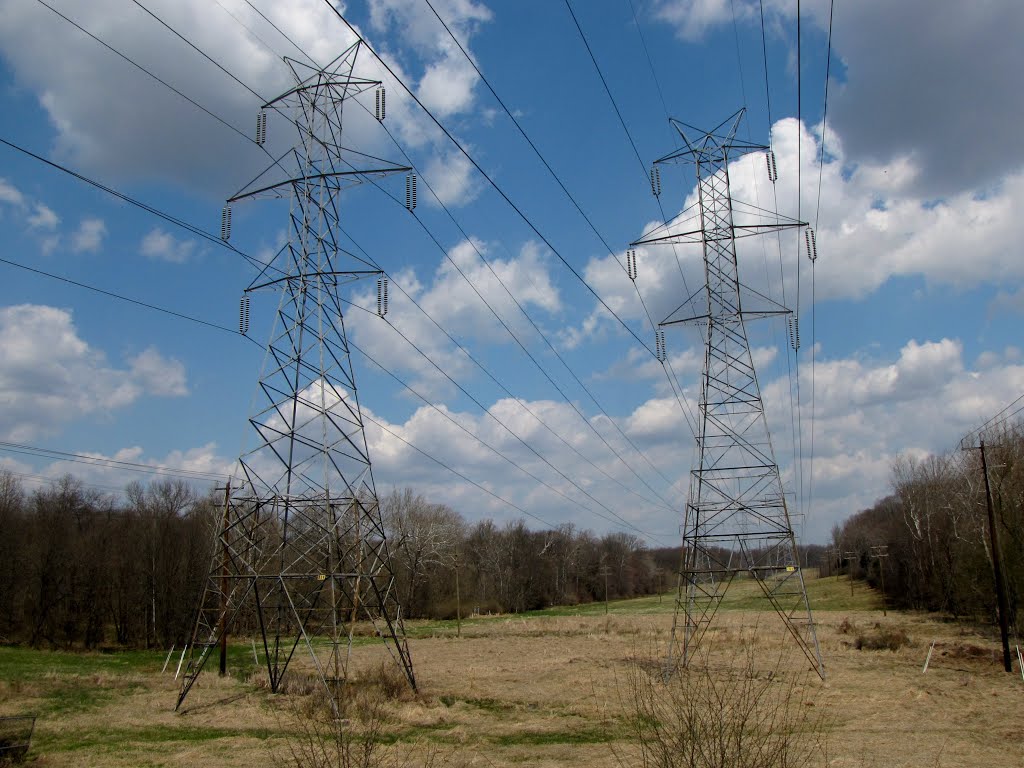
120	297
569	195
183	38
524	348
607	89
151	210
513	335
817	211
650	64
247	28
490	180
793	385
138	66
764	51
44	480
799	207
999	415
282	34
455	472
170	219
488	446
824	115
195	48
691	420
541	422
739	57
131	466
248	138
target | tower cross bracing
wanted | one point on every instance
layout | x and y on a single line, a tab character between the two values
301	557
737	520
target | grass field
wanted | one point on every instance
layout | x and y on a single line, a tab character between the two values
549	688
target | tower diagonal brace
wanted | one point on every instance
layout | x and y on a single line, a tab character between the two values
301	561
736	522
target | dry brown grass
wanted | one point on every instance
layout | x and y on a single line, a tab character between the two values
548	691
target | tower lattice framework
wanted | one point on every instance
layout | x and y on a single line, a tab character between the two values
301	553
736	519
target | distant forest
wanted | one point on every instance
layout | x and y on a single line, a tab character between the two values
934	529
79	568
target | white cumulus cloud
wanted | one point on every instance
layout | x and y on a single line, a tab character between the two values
451	176
162	246
10	194
88	238
460	297
50	376
158	375
43	217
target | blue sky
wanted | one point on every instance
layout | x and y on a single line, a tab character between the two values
917	291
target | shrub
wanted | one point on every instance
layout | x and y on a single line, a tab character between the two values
351	734
881	639
734	717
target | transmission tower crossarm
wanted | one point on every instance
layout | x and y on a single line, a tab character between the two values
355	274
287	184
356	84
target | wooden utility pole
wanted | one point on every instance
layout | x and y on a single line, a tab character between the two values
993	534
880	552
458	597
849	568
604	572
833	559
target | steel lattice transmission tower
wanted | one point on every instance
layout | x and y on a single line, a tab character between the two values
736	519
302	553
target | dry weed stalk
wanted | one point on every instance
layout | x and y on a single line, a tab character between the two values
722	715
352	730
350	740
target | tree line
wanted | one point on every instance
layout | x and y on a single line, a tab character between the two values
79	568
934	530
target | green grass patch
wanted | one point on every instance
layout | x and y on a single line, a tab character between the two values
825	594
114	739
650	604
832	593
21	664
549	738
495	706
491	705
76	695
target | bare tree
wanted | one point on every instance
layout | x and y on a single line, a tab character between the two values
424	538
